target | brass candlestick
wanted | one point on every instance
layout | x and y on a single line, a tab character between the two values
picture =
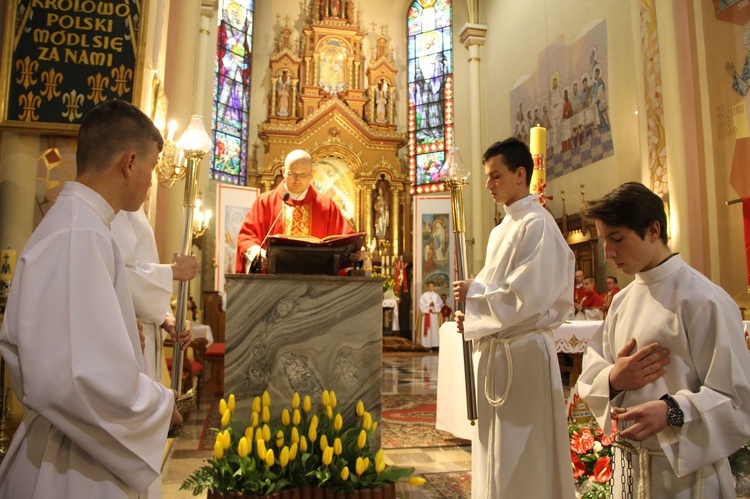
455	176
194	143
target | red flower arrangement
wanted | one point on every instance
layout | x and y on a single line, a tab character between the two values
591	459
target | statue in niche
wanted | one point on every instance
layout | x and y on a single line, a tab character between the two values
381	101
283	91
335	8
382	214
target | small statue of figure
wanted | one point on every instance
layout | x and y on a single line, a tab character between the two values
282	94
381	215
381	101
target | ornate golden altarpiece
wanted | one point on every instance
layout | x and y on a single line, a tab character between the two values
325	101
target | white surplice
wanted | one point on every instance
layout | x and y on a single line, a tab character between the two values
526	285
430	304
708	375
94	424
150	282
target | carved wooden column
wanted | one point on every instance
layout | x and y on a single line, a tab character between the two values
366	196
395	216
274	82
373	91
295	91
391	116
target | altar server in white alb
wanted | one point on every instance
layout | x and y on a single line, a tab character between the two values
670	362
94	424
525	288
151	284
428	331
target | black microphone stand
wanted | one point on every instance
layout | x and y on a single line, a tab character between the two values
256	266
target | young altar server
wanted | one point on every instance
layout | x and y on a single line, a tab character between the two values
428	329
521	448
151	284
94	424
670	362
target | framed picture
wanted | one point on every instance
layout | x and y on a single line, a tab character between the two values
232	204
60	59
434	248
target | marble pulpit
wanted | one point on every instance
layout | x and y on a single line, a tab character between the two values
304	333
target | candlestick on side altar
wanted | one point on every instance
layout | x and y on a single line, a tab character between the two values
538	148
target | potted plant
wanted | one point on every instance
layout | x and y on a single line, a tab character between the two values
309	454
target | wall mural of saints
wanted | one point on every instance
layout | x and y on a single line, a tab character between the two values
568	95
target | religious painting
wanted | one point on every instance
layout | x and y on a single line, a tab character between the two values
232	204
732	116
567	95
333	57
230	120
60	59
430	76
332	177
434	246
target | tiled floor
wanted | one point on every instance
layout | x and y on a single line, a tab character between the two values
401	375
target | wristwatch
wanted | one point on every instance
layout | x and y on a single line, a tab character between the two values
675	416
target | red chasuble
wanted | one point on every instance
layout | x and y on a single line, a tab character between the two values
315	215
591	300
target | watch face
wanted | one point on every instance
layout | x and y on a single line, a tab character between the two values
674	416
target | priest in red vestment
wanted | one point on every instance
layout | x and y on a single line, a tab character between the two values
306	212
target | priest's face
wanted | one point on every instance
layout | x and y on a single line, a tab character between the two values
505	186
141	167
630	252
298	176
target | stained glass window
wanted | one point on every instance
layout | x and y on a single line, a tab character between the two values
232	92
430	55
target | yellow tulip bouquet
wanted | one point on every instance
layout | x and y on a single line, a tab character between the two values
308	449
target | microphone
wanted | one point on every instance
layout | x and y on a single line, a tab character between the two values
256	266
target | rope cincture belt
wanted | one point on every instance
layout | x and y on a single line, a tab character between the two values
506	341
490	375
644	465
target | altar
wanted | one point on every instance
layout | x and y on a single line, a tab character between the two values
304	333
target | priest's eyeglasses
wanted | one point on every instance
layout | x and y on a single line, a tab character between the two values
298	176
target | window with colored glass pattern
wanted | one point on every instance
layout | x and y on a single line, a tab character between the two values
230	121
430	56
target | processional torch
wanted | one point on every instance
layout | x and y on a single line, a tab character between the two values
455	176
194	143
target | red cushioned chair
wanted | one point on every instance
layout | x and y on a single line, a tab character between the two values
215	356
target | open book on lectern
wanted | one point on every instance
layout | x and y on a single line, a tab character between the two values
336	240
311	255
